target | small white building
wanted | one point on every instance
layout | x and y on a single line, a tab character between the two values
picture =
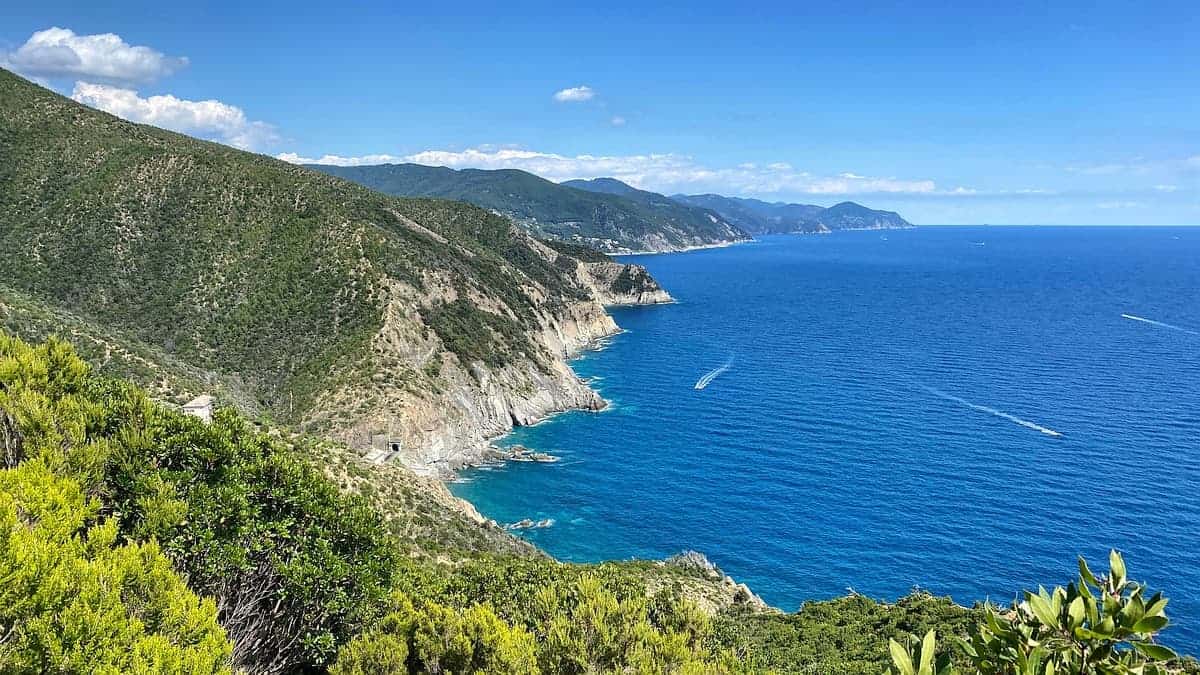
201	406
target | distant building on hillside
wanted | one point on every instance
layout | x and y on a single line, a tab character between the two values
201	406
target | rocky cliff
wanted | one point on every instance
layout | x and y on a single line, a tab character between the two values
413	328
444	410
621	284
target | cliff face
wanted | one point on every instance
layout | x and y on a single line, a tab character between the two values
442	409
620	284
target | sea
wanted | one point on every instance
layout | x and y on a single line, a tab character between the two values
963	410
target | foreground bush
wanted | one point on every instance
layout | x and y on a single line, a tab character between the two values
438	639
576	628
296	568
72	600
1094	626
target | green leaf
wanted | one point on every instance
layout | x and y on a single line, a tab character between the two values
1093	610
1157	605
928	646
966	647
1042	610
1150	624
993	622
1117	565
1087	573
1075	610
900	657
1156	652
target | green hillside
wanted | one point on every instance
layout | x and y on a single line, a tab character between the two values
265	274
608	222
758	217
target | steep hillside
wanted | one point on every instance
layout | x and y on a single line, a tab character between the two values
759	217
601	220
612	282
335	309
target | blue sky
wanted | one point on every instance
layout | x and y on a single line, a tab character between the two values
1047	113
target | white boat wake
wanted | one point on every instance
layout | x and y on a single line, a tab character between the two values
992	411
712	375
1160	324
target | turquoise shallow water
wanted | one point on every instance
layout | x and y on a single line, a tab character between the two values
885	419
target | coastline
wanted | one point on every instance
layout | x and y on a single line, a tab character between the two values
726	244
594	344
686	249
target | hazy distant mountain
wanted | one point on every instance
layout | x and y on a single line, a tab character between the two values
759	217
608	186
852	216
608	216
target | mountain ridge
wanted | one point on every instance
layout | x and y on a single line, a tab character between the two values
609	222
760	217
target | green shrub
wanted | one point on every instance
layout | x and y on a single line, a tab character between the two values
847	635
295	567
73	600
1094	626
438	639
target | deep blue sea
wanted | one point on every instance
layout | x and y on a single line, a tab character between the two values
963	409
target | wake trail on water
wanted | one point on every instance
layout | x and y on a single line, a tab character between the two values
1160	324
992	411
712	375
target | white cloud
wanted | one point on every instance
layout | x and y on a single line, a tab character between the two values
575	94
660	172
617	121
209	119
1166	188
1119	205
338	160
59	52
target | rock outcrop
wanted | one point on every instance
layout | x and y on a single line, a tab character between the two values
719	590
623	284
